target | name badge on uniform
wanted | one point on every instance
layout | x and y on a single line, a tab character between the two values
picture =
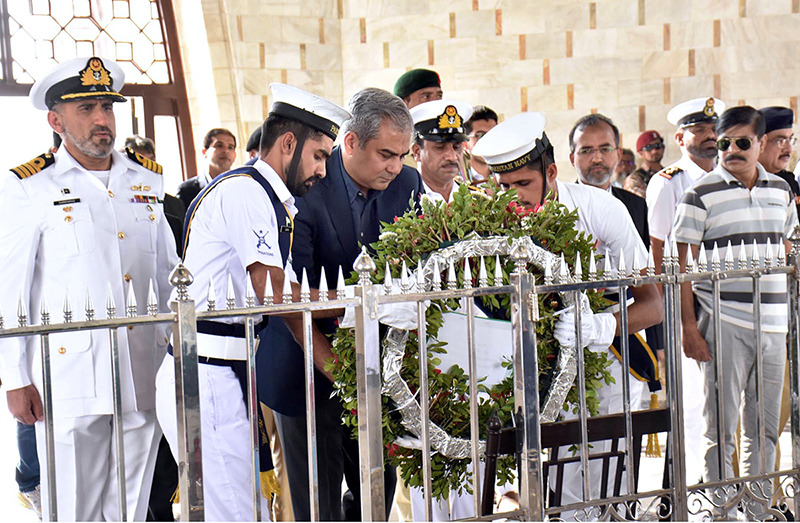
140	187
287	227
67	202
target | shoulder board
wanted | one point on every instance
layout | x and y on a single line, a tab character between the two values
669	172
34	166
147	163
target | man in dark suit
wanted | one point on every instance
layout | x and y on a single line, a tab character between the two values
219	152
366	184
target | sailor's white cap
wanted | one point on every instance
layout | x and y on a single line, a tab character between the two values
310	109
78	79
513	143
694	111
441	120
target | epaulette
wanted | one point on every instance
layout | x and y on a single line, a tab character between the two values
34	166
147	163
669	172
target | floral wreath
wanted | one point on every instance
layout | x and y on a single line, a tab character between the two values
411	239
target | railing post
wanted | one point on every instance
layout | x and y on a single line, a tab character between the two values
368	379
674	352
794	355
187	392
526	389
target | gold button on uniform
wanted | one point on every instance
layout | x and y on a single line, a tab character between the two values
111	193
127	278
62	350
68	218
152	217
149	207
68	208
121	235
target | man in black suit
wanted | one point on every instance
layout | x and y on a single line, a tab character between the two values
219	152
595	153
366	184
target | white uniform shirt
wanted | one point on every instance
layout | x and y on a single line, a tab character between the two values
65	233
234	227
663	196
435	196
607	220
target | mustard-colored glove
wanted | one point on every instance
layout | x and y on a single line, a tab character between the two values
269	484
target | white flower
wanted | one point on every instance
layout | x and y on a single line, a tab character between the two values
387	235
481	194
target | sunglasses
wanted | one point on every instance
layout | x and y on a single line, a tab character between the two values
744	143
651	146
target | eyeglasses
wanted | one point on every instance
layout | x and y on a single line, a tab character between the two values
743	143
651	146
589	151
780	142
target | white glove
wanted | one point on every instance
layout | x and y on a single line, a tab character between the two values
597	330
398	315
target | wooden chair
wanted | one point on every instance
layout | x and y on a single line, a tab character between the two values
503	441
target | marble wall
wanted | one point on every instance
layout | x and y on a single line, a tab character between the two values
631	60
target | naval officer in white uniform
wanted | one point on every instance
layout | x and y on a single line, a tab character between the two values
87	219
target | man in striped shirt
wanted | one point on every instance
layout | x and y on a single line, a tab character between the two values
738	201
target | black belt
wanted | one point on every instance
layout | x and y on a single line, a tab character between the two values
231	330
218	362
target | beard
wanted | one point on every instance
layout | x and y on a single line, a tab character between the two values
296	180
87	146
596	175
699	151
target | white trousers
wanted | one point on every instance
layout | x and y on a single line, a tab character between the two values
694	425
611	402
86	466
457	506
225	432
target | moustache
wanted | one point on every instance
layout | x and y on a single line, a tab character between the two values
102	129
709	141
735	157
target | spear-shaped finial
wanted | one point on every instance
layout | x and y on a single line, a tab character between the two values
592	266
548	273
230	294
742	256
715	261
781	252
768	254
755	261
323	286
269	292
452	283
702	259
563	270
111	307
651	264
637	266
578	269
673	247
467	274
607	266
421	286
437	275
67	308
22	313
691	264
89	306
729	257
340	292
44	312
483	279
152	299
387	279
131	307
211	297
305	289
249	292
622	270
405	286
498	271
287	288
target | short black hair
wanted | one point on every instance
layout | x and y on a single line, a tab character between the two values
628	151
480	112
254	142
214	132
139	142
276	126
744	115
588	121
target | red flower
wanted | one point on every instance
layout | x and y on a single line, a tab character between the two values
393	449
354	412
396	219
437	371
421	216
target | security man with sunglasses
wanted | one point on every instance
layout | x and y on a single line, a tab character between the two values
696	136
650	146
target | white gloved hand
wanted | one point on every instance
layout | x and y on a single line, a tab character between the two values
597	330
398	315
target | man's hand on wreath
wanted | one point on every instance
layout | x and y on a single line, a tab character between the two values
597	330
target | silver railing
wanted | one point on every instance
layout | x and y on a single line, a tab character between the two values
677	501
